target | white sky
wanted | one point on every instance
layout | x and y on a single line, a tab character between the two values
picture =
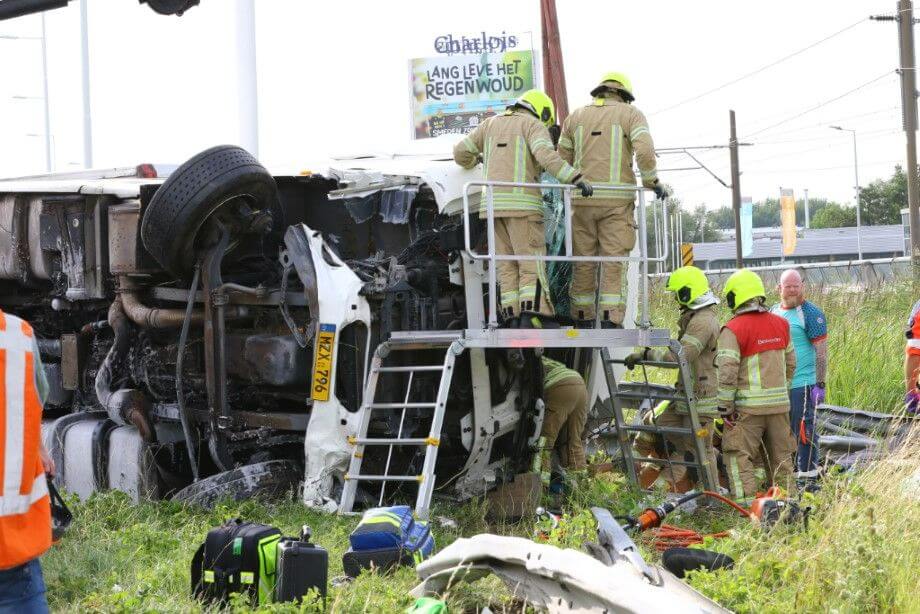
333	77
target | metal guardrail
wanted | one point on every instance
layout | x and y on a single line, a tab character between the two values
864	273
494	258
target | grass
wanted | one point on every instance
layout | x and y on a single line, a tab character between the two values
859	553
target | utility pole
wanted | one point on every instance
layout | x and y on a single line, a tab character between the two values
84	74
856	176
247	79
807	221
49	162
905	19
736	188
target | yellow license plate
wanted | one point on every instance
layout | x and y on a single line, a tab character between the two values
322	369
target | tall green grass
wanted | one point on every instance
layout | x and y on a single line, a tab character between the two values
859	554
865	342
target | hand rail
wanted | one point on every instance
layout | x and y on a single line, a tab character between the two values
493	258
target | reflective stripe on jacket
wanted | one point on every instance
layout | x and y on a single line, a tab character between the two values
516	147
554	372
698	333
600	140
756	362
25	511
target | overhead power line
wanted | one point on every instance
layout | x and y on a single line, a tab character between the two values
822	104
828	137
828	144
825	168
839	120
759	70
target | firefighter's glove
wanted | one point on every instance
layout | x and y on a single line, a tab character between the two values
912	402
660	191
729	416
817	395
586	188
634	358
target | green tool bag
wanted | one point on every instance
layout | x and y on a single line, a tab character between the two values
236	557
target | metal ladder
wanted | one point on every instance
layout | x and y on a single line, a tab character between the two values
407	341
707	473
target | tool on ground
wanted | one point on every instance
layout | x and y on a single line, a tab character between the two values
766	510
236	557
386	538
301	566
681	560
543	514
772	507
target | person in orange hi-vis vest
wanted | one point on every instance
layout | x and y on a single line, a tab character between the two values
25	508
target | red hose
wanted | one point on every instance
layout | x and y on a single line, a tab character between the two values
670	536
729	502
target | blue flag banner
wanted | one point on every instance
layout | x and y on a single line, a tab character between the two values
747	227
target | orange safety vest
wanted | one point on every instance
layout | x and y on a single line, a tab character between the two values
25	509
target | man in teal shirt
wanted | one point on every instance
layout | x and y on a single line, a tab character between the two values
808	327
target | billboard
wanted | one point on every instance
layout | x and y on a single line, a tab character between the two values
452	94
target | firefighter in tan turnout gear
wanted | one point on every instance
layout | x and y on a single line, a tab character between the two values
516	146
566	399
601	139
698	334
756	361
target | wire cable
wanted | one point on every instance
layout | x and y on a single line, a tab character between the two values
759	70
822	104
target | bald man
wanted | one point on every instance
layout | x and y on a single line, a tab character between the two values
808	327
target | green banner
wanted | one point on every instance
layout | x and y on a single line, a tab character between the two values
453	94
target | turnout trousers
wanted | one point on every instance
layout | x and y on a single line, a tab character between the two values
601	230
519	280
742	444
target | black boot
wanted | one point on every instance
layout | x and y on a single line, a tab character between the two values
582	322
607	323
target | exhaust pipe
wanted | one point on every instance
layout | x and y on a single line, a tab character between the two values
126	405
155	317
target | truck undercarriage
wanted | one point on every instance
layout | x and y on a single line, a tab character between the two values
215	329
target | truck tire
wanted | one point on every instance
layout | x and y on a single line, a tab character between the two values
193	192
268	480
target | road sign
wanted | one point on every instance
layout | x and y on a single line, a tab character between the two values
686	254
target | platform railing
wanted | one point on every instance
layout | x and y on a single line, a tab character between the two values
492	258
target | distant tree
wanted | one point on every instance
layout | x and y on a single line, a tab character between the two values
723	218
832	215
882	200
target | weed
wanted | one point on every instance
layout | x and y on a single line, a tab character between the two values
859	553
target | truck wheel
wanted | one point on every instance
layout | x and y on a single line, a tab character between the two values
216	181
268	480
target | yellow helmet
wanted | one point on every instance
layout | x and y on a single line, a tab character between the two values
688	283
617	81
539	104
742	286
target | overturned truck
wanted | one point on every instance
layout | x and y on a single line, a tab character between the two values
206	330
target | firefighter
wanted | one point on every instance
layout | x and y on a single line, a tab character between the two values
698	334
25	508
756	361
566	399
516	146
600	139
